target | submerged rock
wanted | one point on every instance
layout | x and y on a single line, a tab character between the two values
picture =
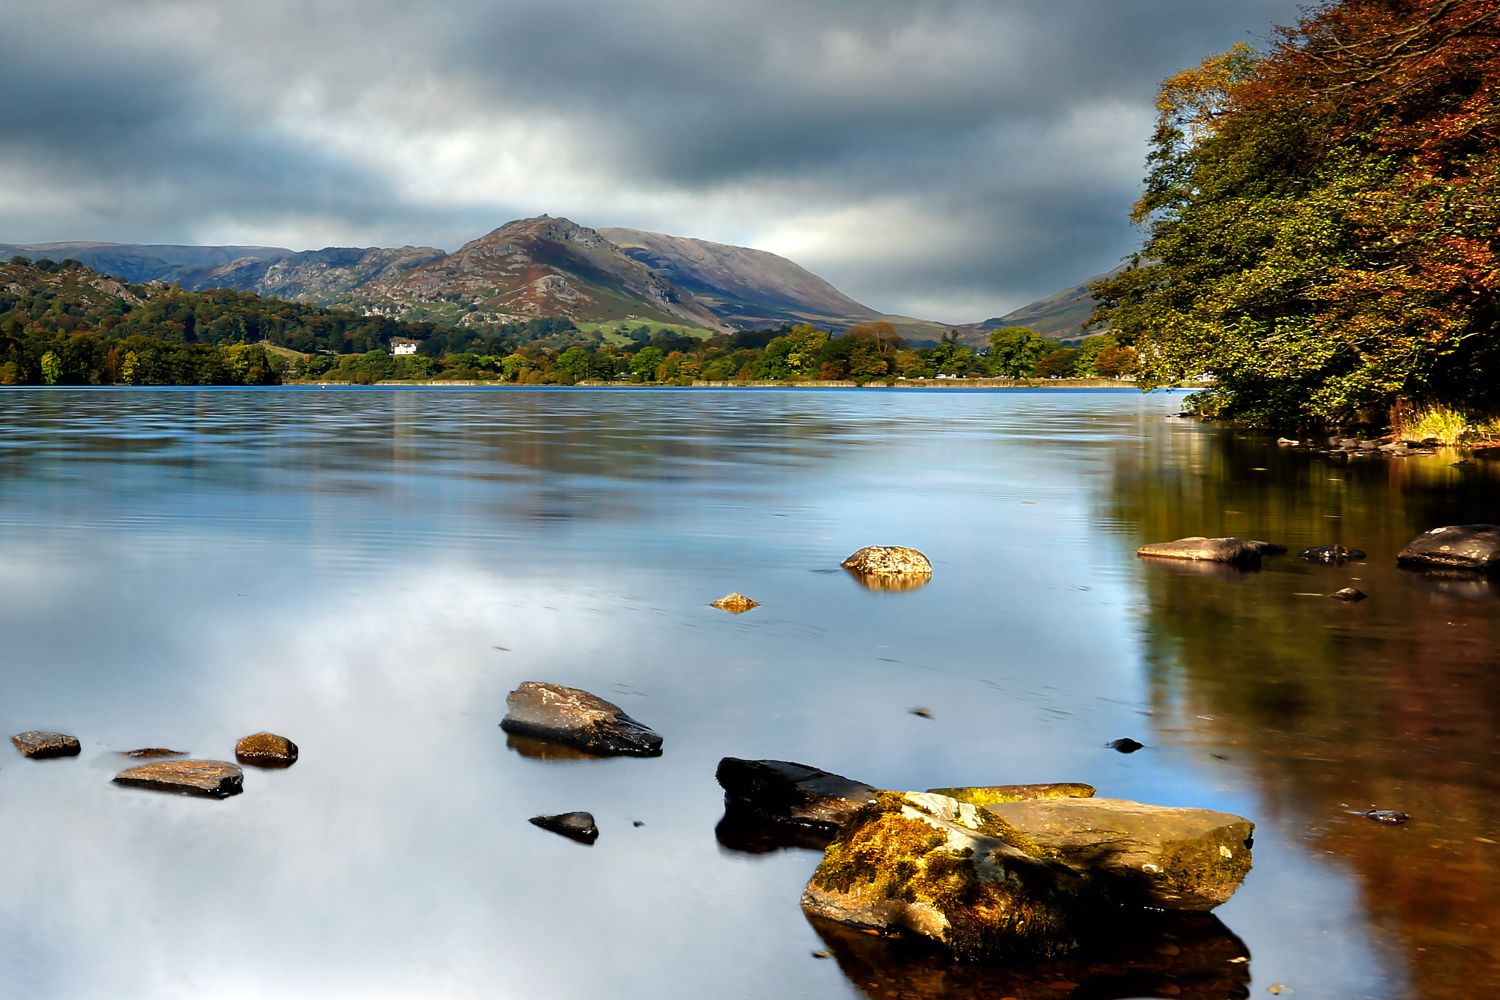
1125	745
1233	551
1349	594
215	779
735	603
577	826
1391	817
888	560
948	871
40	745
148	753
1268	548
266	750
1145	855
779	803
1331	554
983	795
1473	547
569	715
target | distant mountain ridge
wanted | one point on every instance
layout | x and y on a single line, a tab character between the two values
546	266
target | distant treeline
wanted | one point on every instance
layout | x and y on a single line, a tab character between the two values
62	324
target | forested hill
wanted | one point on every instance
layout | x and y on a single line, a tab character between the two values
83	327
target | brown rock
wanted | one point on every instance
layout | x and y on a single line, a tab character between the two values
266	750
39	745
1349	594
735	603
1474	547
573	716
888	560
148	753
1235	551
215	779
1169	858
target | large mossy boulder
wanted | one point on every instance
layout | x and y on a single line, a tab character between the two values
984	795
951	872
1231	551
1467	547
578	718
1138	854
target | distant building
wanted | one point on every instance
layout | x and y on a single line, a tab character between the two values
404	345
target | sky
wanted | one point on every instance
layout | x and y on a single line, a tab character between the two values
946	159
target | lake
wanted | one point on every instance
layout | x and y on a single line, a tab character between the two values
370	571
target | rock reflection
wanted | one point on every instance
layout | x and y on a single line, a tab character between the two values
889	582
535	749
1330	712
1188	956
749	832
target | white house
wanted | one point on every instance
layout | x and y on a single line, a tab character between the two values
404	345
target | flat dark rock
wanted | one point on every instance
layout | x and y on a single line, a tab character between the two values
1233	551
214	779
148	753
569	715
808	803
1348	594
39	745
1473	547
266	750
577	826
1125	745
1331	554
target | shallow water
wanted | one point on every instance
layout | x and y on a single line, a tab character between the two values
369	572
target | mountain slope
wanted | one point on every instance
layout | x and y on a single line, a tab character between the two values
139	262
1060	315
327	277
749	288
536	267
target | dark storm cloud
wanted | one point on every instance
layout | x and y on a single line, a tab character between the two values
953	159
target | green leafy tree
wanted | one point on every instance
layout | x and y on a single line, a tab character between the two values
1015	351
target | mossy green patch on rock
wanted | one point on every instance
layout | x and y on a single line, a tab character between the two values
943	869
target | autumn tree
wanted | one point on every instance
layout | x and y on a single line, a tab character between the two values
1323	218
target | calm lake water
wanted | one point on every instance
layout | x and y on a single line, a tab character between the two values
369	572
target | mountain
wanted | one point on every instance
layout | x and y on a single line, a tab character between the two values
1060	315
138	262
531	268
754	288
330	276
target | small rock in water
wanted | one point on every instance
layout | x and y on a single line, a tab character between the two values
146	753
888	560
39	745
570	715
266	750
215	779
921	712
1348	594
1473	547
1288	442
577	826
735	603
1235	551
1276	988
1331	554
1392	817
825	953
1125	745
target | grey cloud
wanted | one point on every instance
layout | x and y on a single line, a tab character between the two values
172	121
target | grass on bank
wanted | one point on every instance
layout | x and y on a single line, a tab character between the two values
1444	424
